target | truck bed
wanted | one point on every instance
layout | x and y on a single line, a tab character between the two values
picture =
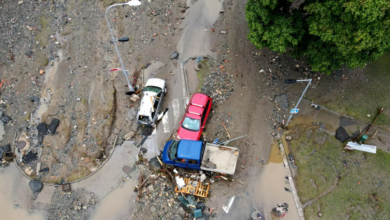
220	159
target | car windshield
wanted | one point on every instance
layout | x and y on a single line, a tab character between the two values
173	150
191	124
152	89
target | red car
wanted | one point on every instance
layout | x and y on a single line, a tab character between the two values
195	117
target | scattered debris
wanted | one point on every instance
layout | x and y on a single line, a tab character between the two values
280	210
174	55
342	135
360	147
226	130
317	107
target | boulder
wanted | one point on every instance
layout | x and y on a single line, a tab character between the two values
342	135
129	135
53	126
154	164
35	185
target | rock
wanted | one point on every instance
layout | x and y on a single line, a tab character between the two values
4	149
5	119
29	157
154	164
40	138
282	101
134	98
53	126
28	171
126	169
34	99
176	217
152	209
41	72
42	128
174	55
144	150
223	32
129	135
16	206
319	214
342	135
288	138
20	144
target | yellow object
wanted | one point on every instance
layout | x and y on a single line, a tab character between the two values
201	190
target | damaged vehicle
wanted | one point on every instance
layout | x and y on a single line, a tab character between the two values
151	102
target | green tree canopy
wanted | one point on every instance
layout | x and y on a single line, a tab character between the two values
328	33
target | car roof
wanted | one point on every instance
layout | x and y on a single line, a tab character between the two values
195	110
155	82
146	106
199	99
189	149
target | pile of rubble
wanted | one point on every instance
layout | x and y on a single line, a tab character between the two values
75	205
160	194
219	86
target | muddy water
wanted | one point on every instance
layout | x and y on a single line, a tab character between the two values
14	190
193	80
275	156
271	186
118	205
195	40
307	115
151	71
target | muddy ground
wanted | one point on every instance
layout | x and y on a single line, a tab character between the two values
69	43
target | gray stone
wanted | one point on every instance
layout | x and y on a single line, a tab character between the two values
35	185
129	135
152	209
126	169
176	217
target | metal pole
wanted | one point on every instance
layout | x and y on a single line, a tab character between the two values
131	89
296	106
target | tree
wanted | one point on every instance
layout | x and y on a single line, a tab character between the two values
328	33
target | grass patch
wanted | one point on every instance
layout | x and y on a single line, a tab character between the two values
363	188
365	97
41	59
203	72
107	3
43	35
67	30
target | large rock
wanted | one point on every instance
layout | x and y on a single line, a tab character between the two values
342	135
53	126
129	135
154	164
35	185
42	128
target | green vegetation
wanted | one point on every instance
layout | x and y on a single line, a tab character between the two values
40	59
327	33
365	97
107	3
364	182
203	72
43	35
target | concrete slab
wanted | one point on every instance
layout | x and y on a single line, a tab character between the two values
110	175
